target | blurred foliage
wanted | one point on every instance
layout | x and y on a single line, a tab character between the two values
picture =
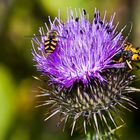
7	108
19	20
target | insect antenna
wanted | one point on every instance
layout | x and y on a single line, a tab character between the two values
29	36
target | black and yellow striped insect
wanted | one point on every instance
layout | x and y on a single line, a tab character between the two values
128	54
50	41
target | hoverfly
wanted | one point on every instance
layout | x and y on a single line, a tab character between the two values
50	41
128	54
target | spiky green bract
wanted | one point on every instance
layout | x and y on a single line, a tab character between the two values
94	105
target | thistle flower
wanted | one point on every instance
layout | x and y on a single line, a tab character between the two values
86	85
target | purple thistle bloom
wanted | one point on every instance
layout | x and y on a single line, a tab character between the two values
83	49
86	85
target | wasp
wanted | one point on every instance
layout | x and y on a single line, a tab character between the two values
128	54
50	41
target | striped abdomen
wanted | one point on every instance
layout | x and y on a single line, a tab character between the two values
50	41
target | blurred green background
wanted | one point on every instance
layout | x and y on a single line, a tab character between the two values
19	119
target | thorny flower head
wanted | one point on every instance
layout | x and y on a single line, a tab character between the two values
86	85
